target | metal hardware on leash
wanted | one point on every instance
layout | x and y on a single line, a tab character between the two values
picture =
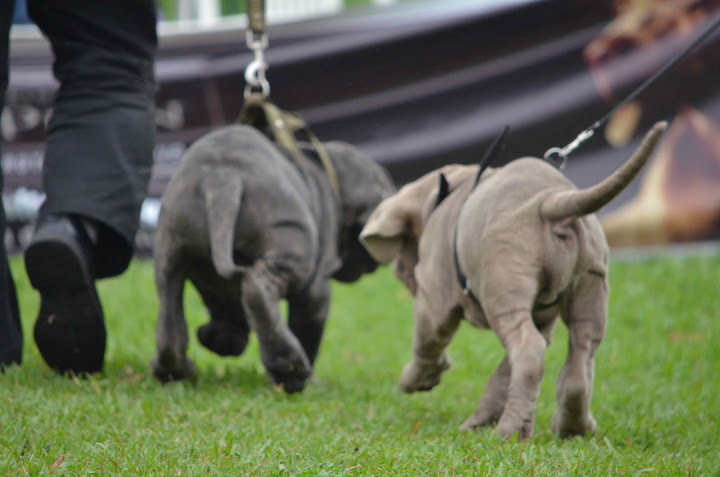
255	71
562	152
556	152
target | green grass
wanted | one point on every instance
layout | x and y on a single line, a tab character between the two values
656	393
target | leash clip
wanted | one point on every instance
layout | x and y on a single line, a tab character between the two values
255	71
558	156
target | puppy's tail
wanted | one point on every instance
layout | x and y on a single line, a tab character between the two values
571	204
222	189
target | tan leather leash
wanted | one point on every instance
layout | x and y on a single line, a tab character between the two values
261	113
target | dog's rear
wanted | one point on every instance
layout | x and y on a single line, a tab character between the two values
530	248
225	196
529	211
250	225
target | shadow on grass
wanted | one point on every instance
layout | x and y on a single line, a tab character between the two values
219	374
210	378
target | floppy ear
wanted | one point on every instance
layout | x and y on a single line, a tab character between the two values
384	231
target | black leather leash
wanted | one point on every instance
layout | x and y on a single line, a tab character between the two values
555	155
558	156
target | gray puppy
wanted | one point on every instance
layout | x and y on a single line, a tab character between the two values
528	247
249	225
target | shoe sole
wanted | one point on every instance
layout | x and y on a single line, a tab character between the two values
70	329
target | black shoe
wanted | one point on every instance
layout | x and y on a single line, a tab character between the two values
70	329
11	335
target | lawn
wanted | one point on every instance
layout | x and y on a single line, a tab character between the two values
656	399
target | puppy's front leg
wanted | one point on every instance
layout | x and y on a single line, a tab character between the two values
434	329
492	403
307	316
280	351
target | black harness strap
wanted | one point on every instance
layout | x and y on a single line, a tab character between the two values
443	192
462	279
492	152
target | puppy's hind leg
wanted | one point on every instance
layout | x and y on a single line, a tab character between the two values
492	403
507	300
525	347
171	363
586	318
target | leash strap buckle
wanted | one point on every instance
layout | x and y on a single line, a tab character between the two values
557	156
255	78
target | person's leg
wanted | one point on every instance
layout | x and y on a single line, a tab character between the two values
102	132
96	170
11	338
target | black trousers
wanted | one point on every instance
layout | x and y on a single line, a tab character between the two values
101	135
11	339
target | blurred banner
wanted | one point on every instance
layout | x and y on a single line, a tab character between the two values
421	84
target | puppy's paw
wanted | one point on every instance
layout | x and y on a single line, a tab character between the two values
573	417
222	338
480	418
423	375
509	428
167	367
564	427
290	374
